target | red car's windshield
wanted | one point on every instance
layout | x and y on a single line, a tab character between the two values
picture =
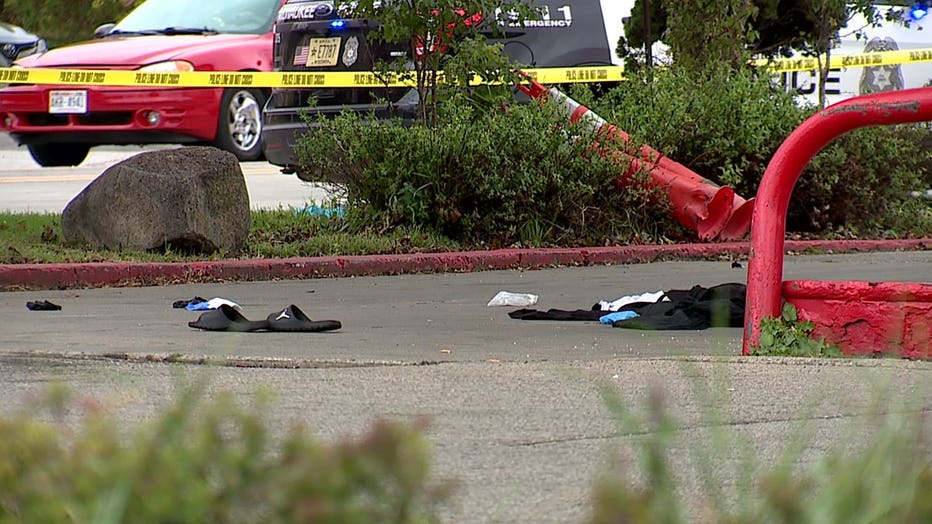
208	16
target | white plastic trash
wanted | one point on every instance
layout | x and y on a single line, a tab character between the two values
507	298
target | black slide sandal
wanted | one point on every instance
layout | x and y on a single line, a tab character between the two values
293	320
227	318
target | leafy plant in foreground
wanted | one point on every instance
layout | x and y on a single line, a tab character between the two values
206	461
883	475
787	335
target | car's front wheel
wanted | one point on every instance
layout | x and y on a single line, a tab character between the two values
239	128
58	155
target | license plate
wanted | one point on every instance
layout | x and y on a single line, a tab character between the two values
323	52
68	102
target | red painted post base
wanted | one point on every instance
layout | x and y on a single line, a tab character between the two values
865	318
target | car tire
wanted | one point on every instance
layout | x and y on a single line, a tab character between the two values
59	155
239	127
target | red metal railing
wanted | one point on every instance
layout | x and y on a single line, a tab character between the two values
768	227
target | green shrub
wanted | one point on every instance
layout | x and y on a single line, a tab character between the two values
725	129
521	176
862	182
728	128
207	462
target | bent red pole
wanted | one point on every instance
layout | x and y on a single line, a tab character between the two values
768	227
696	202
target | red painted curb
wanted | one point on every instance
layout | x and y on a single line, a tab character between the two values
865	318
67	276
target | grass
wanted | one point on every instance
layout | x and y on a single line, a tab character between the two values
287	233
37	238
33	238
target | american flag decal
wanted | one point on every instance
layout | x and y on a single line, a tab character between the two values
301	54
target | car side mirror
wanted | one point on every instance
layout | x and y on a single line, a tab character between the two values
103	30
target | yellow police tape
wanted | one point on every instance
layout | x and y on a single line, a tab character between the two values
562	75
78	77
876	59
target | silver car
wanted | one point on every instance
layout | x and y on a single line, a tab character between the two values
16	42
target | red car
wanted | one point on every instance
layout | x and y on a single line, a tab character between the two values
59	124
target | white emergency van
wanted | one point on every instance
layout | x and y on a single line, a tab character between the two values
858	37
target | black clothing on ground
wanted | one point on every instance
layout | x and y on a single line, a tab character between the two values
692	309
558	314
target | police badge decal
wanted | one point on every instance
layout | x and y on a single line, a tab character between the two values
351	51
877	79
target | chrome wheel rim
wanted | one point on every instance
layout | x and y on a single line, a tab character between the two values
245	122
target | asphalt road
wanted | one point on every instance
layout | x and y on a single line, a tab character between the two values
26	187
516	408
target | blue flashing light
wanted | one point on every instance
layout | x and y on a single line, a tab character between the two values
919	10
338	24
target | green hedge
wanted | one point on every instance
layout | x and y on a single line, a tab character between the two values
520	176
524	176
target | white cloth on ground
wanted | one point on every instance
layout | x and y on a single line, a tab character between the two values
213	303
618	303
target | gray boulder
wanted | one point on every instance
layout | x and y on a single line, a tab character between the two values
192	199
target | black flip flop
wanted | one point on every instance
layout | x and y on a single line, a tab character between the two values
42	305
293	320
227	318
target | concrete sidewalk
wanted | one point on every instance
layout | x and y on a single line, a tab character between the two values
525	442
517	413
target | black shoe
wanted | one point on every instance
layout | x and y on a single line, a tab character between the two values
42	305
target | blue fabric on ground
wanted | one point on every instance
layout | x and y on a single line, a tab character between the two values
198	306
316	210
618	315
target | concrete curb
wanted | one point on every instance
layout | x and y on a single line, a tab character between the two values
67	276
